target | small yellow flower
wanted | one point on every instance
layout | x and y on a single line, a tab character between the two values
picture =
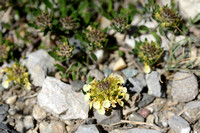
87	96
121	80
106	103
5	83
101	111
86	87
147	68
121	103
123	89
96	105
126	97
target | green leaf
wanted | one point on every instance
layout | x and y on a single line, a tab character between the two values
1	38
60	68
62	7
87	17
53	54
94	56
196	19
48	4
83	5
73	75
120	53
143	29
90	78
158	40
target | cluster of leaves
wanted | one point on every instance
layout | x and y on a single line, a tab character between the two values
16	75
149	53
105	94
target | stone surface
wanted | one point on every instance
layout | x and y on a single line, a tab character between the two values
77	85
101	55
192	111
184	87
144	112
130	72
43	125
146	100
153	84
150	119
28	122
54	127
3	112
59	99
120	64
87	129
11	100
189	8
134	116
196	128
107	72
137	85
113	118
178	124
38	113
140	130
38	64
19	126
95	73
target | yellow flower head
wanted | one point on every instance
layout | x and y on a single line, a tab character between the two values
105	94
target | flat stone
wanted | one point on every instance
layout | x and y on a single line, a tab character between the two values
11	100
140	130
3	112
146	100
60	100
134	116
120	64
107	72
43	125
153	84
38	113
77	85
38	64
96	74
178	124
130	72
87	129
189	8
192	110
55	127
28	122
184	87
101	55
113	118
137	85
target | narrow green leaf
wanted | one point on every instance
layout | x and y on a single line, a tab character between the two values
60	68
197	18
158	40
48	4
73	75
94	56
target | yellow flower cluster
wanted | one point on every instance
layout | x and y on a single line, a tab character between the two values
16	75
167	17
105	94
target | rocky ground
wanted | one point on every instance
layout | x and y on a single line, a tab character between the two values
160	102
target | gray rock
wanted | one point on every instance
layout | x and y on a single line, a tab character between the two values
146	100
179	125
113	118
59	99
19	126
38	64
134	116
12	110
3	112
38	113
107	72
77	85
55	127
28	122
192	111
189	8
101	55
130	72
153	84
184	87
87	129
196	128
140	130
141	78
96	74
137	85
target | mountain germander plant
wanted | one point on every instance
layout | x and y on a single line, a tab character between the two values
17	75
106	94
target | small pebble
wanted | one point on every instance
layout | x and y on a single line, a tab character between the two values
120	64
11	100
